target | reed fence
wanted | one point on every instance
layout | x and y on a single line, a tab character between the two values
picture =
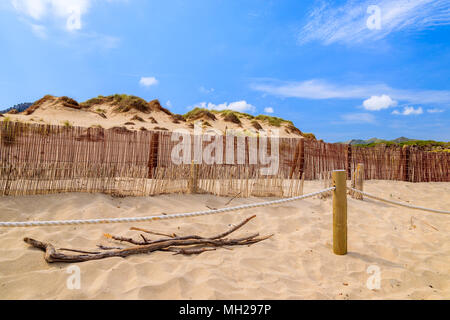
41	159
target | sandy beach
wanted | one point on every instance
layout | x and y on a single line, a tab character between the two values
410	248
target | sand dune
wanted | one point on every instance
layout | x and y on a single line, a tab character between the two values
411	248
134	113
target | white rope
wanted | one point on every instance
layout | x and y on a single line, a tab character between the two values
160	217
398	203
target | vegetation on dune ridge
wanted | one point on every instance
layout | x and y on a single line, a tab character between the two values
69	102
309	136
38	103
176	118
156	106
273	121
125	103
66	102
122	102
236	116
199	113
231	117
428	145
256	125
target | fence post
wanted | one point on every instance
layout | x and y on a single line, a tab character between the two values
302	157
359	180
349	162
340	212
193	179
299	158
153	157
406	162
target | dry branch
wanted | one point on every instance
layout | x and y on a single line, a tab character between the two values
186	245
173	235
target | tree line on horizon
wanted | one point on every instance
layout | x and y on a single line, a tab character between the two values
20	107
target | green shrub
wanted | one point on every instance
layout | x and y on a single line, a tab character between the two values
199	113
123	102
273	121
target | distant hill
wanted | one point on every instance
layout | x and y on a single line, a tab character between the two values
428	145
376	140
21	107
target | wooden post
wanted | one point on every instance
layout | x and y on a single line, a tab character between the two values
406	162
359	180
349	161
340	212
153	157
302	156
302	182
299	158
295	162
193	179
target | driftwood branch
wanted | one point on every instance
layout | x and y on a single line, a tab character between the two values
186	245
173	235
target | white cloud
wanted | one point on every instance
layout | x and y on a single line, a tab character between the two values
34	8
268	110
348	23
320	89
206	91
435	110
408	111
46	17
375	103
358	118
240	106
69	10
169	104
39	30
148	81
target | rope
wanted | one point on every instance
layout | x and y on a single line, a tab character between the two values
160	217
398	203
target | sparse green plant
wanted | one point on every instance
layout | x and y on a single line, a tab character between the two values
123	102
256	125
309	136
199	113
273	121
231	116
67	124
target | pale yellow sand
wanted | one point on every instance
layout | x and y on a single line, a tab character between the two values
411	249
53	114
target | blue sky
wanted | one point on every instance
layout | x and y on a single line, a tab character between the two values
339	69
